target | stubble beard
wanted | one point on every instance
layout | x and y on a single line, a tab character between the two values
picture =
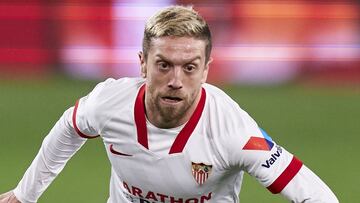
171	116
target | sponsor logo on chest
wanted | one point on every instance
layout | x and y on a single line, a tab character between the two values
136	194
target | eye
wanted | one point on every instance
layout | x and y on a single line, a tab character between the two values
163	65
190	68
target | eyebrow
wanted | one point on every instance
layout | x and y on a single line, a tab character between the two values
166	59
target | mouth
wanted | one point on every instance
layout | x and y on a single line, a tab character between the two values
171	100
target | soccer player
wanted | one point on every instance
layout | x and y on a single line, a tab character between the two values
169	136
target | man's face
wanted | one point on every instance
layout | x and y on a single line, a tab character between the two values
174	70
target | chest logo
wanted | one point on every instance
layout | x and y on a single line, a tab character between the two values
112	150
200	172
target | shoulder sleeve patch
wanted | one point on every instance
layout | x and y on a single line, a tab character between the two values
259	143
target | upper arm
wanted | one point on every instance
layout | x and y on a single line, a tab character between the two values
260	156
86	116
273	166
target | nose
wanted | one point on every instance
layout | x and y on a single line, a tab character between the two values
175	81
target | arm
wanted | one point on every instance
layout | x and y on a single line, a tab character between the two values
244	146
281	172
63	141
307	187
252	150
57	148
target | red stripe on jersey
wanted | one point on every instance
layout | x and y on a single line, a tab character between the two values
75	126
182	137
287	175
188	129
140	118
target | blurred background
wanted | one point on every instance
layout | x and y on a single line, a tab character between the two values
255	42
294	65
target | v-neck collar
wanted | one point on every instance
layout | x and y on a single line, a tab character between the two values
184	134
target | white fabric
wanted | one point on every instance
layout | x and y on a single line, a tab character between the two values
161	140
153	175
57	148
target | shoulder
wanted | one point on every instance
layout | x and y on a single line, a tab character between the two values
229	125
112	91
117	87
217	98
214	92
226	111
107	97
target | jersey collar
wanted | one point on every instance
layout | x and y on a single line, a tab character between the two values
184	134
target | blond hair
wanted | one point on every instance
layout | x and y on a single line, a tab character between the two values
179	21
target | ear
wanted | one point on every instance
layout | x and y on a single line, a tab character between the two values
206	70
142	64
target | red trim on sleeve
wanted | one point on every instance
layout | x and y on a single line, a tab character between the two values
287	175
75	126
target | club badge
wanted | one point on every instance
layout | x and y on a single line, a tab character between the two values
201	172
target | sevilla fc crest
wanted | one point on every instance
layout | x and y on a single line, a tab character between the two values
201	172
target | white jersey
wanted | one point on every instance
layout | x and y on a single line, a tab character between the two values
201	161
